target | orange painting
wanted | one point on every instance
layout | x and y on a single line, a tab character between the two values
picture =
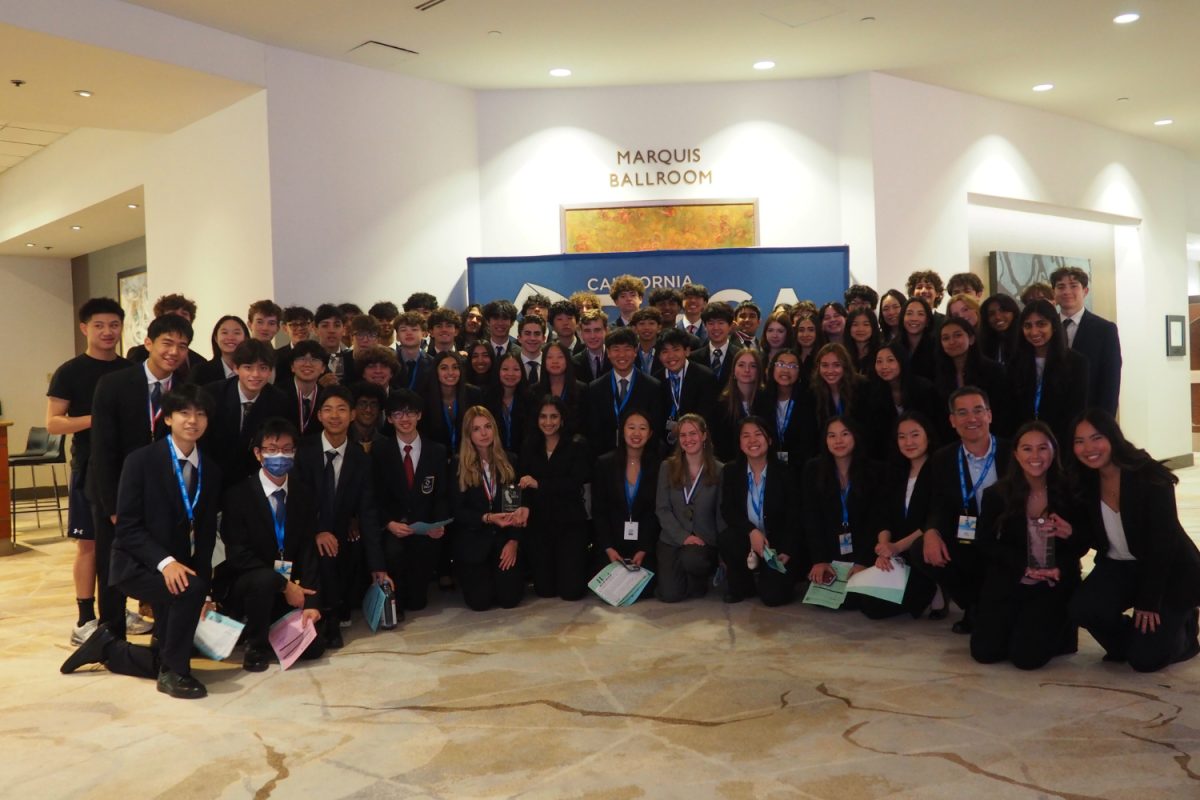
677	226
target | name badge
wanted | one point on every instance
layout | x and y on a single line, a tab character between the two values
284	568
782	456
631	531
966	528
845	543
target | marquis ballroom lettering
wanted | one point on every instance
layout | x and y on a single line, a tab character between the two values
663	157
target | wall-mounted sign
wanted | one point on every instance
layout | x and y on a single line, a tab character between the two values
661	167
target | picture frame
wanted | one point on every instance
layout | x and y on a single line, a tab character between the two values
133	293
659	225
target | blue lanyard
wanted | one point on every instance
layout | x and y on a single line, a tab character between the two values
757	495
676	390
781	427
845	508
1037	396
189	503
450	424
962	473
506	418
617	409
631	492
841	406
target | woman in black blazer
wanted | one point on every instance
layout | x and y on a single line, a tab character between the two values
1054	390
558	379
447	398
624	487
842	518
554	468
758	504
893	390
737	399
688	507
1144	557
862	340
227	334
787	406
998	332
959	363
1031	538
509	399
486	538
906	495
916	336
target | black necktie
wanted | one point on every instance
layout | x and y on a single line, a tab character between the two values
596	374
155	400
306	405
624	384
246	409
499	352
328	491
412	367
533	372
716	362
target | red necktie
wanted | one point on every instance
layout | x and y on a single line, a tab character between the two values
408	465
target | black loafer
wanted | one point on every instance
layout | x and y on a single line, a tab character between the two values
937	614
256	660
963	626
184	687
333	637
91	651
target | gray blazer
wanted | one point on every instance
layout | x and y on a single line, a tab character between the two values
704	519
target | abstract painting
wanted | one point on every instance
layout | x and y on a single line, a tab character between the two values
133	295
670	225
1011	273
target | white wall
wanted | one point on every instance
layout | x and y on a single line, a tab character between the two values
374	187
35	304
775	141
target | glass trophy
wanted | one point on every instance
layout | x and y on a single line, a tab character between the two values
1040	544
510	498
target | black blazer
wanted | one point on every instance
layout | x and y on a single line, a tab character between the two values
985	374
1097	340
799	439
1168	563
879	410
248	531
1004	545
355	495
822	514
697	394
896	520
781	512
208	372
557	503
227	440
584	366
722	429
1064	395
645	393
922	360
608	505
420	376
294	409
151	521
427	500
138	354
521	420
120	425
433	420
945	504
703	357
475	542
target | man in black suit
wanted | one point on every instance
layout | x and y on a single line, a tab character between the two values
564	321
167	507
411	485
445	325
240	406
625	388
959	473
180	306
269	532
300	390
330	328
1092	336
498	318
338	473
592	362
687	388
417	365
126	415
298	322
716	352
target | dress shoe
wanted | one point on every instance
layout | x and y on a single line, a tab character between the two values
91	651
937	614
185	687
963	626
732	597
333	635
256	660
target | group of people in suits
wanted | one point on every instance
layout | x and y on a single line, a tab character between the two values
673	440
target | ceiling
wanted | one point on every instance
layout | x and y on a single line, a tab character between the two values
102	225
994	48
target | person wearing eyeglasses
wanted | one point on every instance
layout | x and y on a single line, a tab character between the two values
269	532
788	407
960	472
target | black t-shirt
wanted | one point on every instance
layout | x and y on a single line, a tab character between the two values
75	381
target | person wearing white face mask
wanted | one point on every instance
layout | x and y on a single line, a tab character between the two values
269	531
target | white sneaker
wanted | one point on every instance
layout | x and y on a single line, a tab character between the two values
136	624
80	633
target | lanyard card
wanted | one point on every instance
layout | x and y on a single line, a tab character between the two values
966	528
845	543
782	456
284	568
631	531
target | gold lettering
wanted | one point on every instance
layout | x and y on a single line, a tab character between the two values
622	157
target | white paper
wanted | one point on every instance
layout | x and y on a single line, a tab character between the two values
216	635
614	584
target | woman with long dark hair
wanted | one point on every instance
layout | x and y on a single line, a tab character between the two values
508	398
998	330
758	505
916	336
1145	560
472	327
554	467
862	340
788	406
688	507
893	390
959	363
736	400
227	334
777	334
1031	534
832	318
558	379
1050	379
480	360
891	306
836	388
807	344
447	398
624	493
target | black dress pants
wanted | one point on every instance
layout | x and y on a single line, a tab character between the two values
484	585
175	619
110	600
412	562
773	588
961	578
255	595
1025	624
558	558
343	577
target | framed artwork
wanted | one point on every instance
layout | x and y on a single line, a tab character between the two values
1011	273
133	295
659	225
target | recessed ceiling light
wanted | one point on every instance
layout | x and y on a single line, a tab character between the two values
83	92
1126	18
760	65
560	72
132	205
1162	122
76	227
1043	87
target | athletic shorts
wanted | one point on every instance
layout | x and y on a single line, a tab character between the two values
79	514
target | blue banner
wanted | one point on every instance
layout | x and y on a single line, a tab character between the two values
767	275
